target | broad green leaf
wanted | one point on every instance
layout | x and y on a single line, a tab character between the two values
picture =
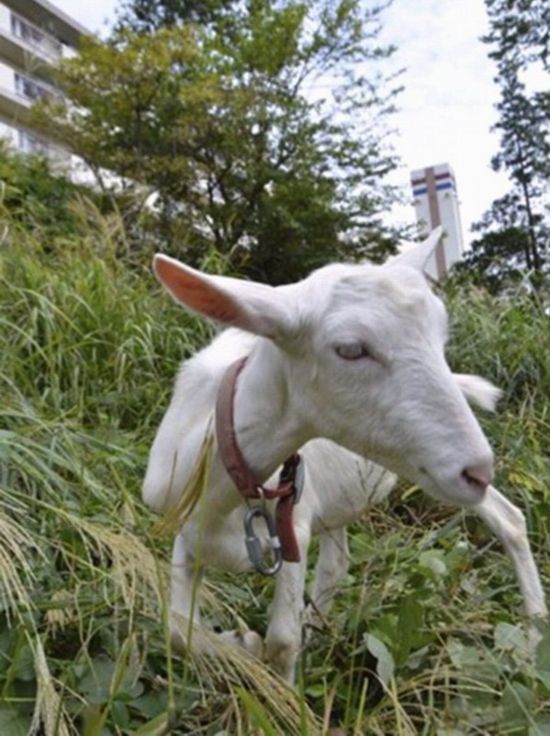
517	704
541	727
13	723
24	663
409	626
120	714
474	663
152	704
510	637
385	665
96	683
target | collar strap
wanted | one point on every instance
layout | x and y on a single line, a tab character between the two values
248	485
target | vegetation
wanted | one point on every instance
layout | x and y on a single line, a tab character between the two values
259	127
516	229
34	196
425	637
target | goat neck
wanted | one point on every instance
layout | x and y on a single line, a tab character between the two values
267	428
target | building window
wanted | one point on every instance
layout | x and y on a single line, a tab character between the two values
34	36
32	144
30	89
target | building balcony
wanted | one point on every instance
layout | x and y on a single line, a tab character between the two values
18	91
26	141
27	46
48	19
31	36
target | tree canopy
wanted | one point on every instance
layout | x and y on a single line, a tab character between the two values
150	15
260	126
517	226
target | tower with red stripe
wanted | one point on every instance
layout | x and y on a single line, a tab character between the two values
436	203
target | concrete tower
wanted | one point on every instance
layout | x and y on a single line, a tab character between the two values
436	203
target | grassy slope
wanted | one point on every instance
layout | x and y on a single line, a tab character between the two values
88	351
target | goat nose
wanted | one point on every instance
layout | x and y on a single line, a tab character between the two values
478	476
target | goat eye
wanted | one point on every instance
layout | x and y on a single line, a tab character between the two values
352	351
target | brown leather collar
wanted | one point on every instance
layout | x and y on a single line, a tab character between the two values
241	475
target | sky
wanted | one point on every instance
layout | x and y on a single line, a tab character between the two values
447	109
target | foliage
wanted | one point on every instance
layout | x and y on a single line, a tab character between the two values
425	637
36	197
519	42
221	121
495	259
519	29
150	15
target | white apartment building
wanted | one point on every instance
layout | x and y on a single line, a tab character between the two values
34	34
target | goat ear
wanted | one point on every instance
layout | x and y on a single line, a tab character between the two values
254	307
478	390
418	254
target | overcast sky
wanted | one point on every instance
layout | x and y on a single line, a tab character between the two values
447	108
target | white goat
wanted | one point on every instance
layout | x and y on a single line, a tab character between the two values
353	354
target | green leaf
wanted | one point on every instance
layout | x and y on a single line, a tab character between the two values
5	448
473	661
510	637
156	727
433	560
385	666
24	663
96	683
152	704
120	714
257	713
542	660
409	626
541	727
13	723
316	691
517	705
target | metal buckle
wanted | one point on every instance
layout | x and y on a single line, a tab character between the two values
254	545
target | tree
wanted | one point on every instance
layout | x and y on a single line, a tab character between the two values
524	153
519	32
145	16
495	259
519	37
216	118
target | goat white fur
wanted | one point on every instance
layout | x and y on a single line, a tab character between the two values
348	366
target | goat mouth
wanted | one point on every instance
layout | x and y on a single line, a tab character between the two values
459	492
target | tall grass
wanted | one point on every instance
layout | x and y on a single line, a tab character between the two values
424	638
